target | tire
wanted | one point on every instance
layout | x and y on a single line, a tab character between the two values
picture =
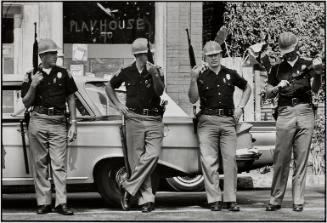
187	183
106	178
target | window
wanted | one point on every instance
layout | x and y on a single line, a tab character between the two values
108	22
96	91
11	20
7	29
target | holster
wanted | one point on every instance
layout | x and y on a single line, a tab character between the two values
162	107
195	124
275	113
196	120
27	117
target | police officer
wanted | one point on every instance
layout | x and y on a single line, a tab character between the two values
144	128
293	79
46	92
214	85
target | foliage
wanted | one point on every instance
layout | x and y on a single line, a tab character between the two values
318	144
250	22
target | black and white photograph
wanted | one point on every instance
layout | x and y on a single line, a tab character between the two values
163	111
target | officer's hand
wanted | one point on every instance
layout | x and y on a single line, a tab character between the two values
283	83
72	133
36	79
122	108
151	68
196	71
237	113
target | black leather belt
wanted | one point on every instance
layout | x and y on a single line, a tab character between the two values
293	102
48	111
146	111
218	112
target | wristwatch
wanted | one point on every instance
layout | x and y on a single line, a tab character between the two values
73	121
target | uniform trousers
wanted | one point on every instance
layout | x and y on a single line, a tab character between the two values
48	145
144	136
216	132
294	129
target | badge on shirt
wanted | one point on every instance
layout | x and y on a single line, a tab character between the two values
147	83
59	75
228	76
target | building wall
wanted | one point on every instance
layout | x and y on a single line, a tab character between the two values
182	15
48	17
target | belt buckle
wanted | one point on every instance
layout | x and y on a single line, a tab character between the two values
220	112
51	111
145	111
295	101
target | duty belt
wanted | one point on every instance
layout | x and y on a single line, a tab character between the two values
293	102
146	111
48	111
218	112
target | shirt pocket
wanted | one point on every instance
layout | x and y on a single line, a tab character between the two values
131	88
209	89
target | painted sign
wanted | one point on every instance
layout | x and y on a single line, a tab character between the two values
107	22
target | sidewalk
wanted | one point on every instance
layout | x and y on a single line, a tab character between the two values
264	180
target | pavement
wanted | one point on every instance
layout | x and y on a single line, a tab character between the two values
171	206
260	180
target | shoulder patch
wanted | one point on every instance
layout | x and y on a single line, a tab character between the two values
115	74
68	73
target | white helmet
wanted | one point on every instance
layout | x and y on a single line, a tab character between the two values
140	45
47	45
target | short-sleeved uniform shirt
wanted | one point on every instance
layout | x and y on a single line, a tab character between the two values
216	91
298	77
53	89
140	93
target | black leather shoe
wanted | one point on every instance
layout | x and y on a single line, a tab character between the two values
147	207
215	206
62	209
273	207
232	206
43	209
124	200
298	207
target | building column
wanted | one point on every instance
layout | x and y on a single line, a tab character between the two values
51	25
160	34
18	46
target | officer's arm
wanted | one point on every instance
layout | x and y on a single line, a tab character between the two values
272	87
112	94
271	91
28	99
193	92
158	84
72	108
245	96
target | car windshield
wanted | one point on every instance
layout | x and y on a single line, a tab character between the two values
96	91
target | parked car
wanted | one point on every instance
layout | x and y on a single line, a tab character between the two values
96	156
